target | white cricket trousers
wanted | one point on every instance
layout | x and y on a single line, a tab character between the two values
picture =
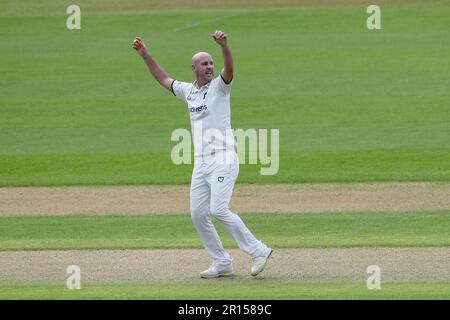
211	189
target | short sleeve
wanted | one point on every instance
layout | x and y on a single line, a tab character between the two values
224	87
180	89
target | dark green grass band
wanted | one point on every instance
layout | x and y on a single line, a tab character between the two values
213	290
306	230
308	166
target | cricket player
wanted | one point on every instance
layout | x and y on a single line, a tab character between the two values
216	165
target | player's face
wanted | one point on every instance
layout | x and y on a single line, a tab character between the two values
204	68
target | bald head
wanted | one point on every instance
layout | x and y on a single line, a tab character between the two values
199	56
203	67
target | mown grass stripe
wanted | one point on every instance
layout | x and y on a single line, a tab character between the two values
309	230
221	291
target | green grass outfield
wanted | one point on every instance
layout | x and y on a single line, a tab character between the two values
308	230
213	290
79	107
314	230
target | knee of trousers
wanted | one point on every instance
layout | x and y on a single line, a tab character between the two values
198	214
220	211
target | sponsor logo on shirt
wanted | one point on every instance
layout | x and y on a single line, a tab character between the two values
198	109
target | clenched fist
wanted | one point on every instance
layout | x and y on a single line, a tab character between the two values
220	37
139	46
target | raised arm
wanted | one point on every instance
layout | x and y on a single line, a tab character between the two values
227	71
158	72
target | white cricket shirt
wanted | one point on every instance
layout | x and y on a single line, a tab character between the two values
209	110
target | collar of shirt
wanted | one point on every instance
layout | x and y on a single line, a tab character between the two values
206	86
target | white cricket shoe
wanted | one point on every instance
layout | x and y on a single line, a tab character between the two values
216	271
259	263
